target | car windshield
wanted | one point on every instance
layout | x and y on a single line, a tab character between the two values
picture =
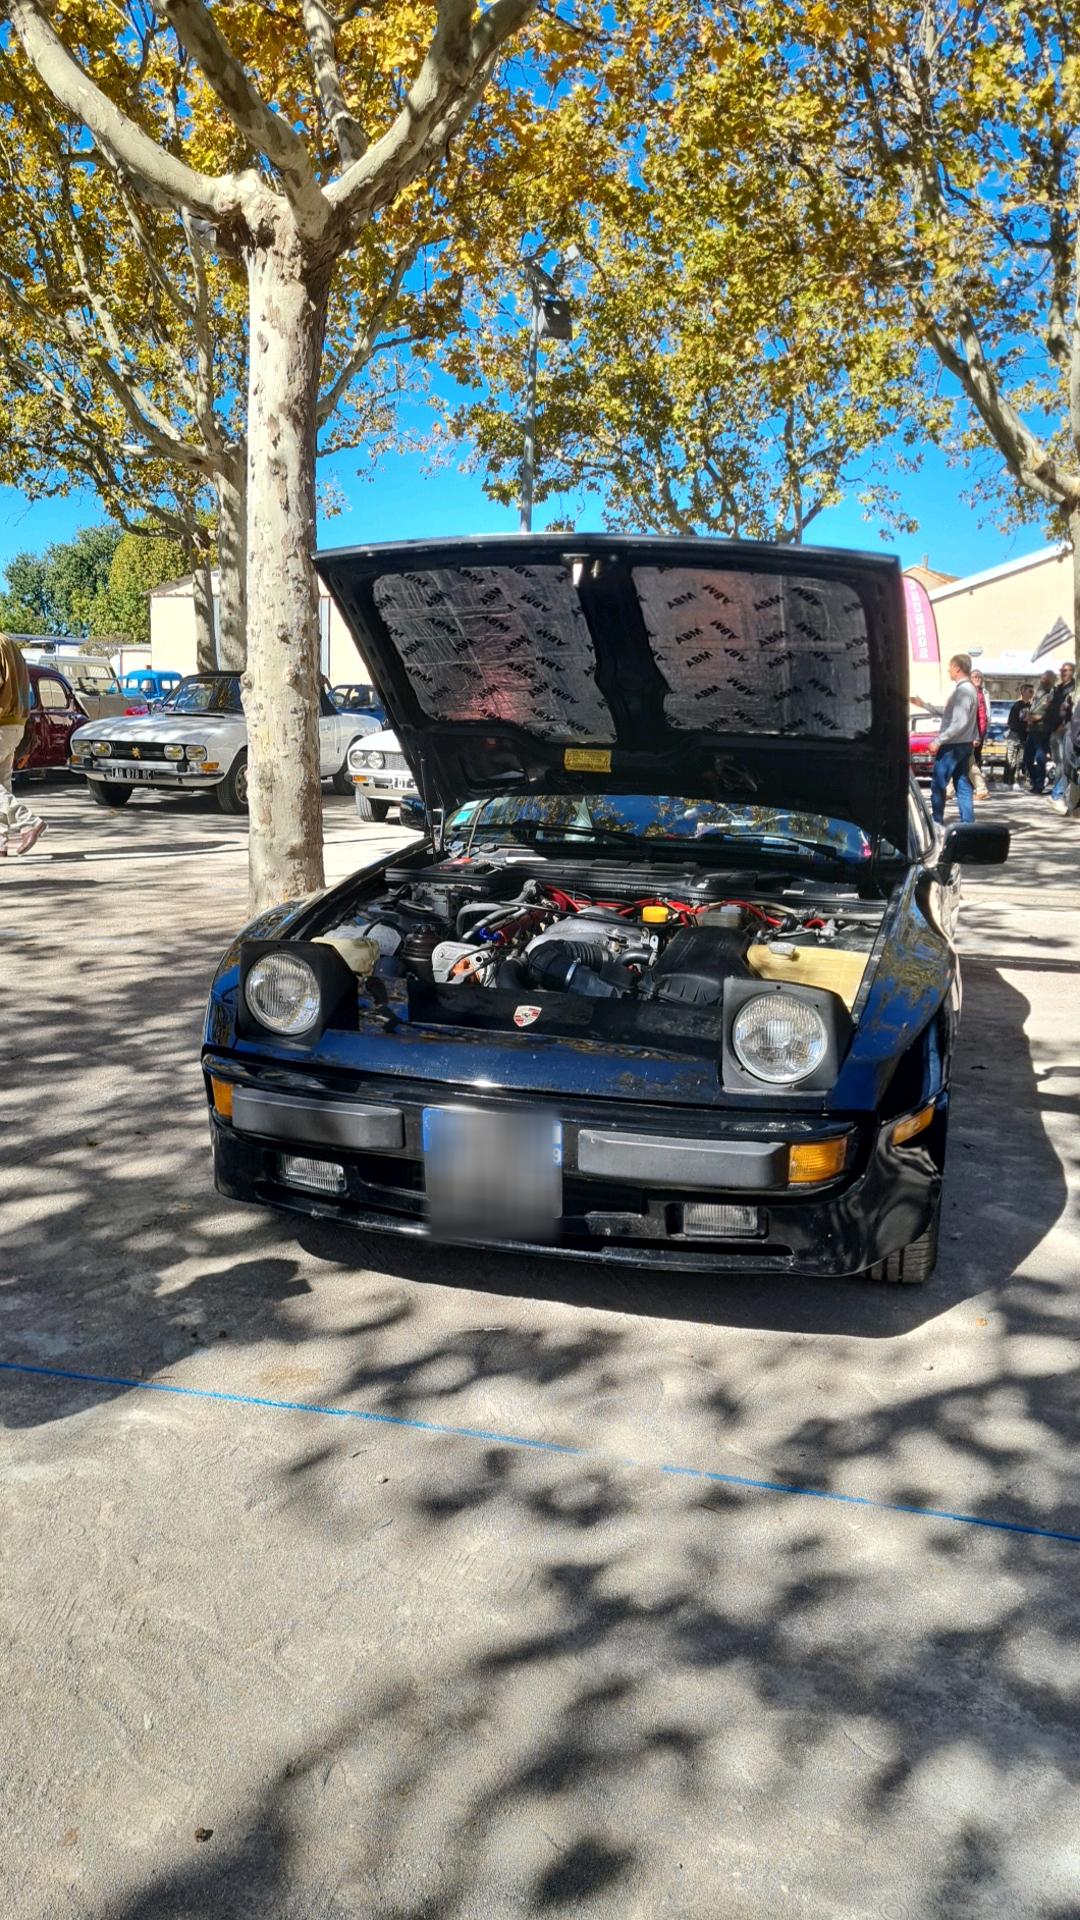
353	699
89	678
205	693
661	820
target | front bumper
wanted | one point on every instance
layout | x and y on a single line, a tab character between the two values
885	1199
374	788
167	774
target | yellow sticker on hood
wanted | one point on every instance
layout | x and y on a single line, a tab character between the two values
587	759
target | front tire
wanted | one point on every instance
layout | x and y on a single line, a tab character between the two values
232	792
109	793
912	1265
371	809
342	779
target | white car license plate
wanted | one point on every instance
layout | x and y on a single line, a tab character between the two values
492	1175
128	773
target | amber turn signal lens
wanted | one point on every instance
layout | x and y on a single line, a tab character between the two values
914	1123
816	1160
222	1092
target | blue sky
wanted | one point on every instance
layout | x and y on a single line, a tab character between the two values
407	503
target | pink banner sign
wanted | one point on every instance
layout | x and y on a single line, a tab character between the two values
921	625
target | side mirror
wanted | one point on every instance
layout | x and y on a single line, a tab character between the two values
411	813
984	844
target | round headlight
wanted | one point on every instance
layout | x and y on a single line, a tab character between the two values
779	1039
373	759
283	993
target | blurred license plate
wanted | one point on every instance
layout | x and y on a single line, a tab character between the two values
492	1175
129	773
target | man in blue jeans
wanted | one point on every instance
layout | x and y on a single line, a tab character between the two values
959	727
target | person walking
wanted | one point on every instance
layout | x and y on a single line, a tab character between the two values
1061	712
956	738
1037	741
1016	731
19	828
978	777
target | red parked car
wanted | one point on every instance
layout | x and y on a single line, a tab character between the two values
923	729
55	713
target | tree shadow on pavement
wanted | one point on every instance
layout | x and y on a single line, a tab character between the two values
396	1673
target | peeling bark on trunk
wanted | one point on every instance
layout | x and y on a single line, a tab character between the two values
231	489
1075	540
281	683
1074	536
202	581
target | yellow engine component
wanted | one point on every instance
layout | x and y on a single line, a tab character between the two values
360	954
834	968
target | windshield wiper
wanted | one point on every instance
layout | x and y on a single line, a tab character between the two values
783	843
527	833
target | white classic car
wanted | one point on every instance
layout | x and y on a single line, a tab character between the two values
378	770
197	739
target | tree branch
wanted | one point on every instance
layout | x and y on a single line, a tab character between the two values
453	75
366	344
260	126
216	199
1025	455
347	133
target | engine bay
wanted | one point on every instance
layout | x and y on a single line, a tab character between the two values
490	927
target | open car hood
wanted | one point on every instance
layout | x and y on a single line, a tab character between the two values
564	663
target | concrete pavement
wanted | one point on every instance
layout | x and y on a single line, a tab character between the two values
506	1649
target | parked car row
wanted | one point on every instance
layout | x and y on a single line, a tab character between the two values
160	729
196	738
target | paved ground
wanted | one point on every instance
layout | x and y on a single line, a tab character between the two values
306	1666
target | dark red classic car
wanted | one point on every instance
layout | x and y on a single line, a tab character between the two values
54	715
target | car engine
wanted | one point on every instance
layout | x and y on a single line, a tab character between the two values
444	930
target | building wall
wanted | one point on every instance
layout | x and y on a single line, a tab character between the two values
172	636
1007	612
172	631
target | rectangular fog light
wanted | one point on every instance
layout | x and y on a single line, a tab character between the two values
715	1220
317	1176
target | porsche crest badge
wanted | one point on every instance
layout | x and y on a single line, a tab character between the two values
524	1016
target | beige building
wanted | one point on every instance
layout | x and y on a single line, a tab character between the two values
172	634
1000	617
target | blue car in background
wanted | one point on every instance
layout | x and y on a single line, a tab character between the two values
359	698
150	684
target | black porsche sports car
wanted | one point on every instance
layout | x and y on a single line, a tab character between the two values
670	977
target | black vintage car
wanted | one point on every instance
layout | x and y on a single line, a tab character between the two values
670	978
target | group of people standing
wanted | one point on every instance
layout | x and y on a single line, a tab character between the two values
1043	724
1040	727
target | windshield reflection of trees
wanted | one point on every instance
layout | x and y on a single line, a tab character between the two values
660	816
205	696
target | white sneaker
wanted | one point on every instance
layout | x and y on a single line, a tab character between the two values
1060	806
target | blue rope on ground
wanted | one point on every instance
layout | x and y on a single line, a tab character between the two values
538	1446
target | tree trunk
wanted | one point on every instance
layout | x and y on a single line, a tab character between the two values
203	595
231	489
1074	537
281	684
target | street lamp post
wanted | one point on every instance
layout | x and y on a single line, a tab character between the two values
528	464
549	319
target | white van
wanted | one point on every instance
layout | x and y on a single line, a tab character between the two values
91	675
